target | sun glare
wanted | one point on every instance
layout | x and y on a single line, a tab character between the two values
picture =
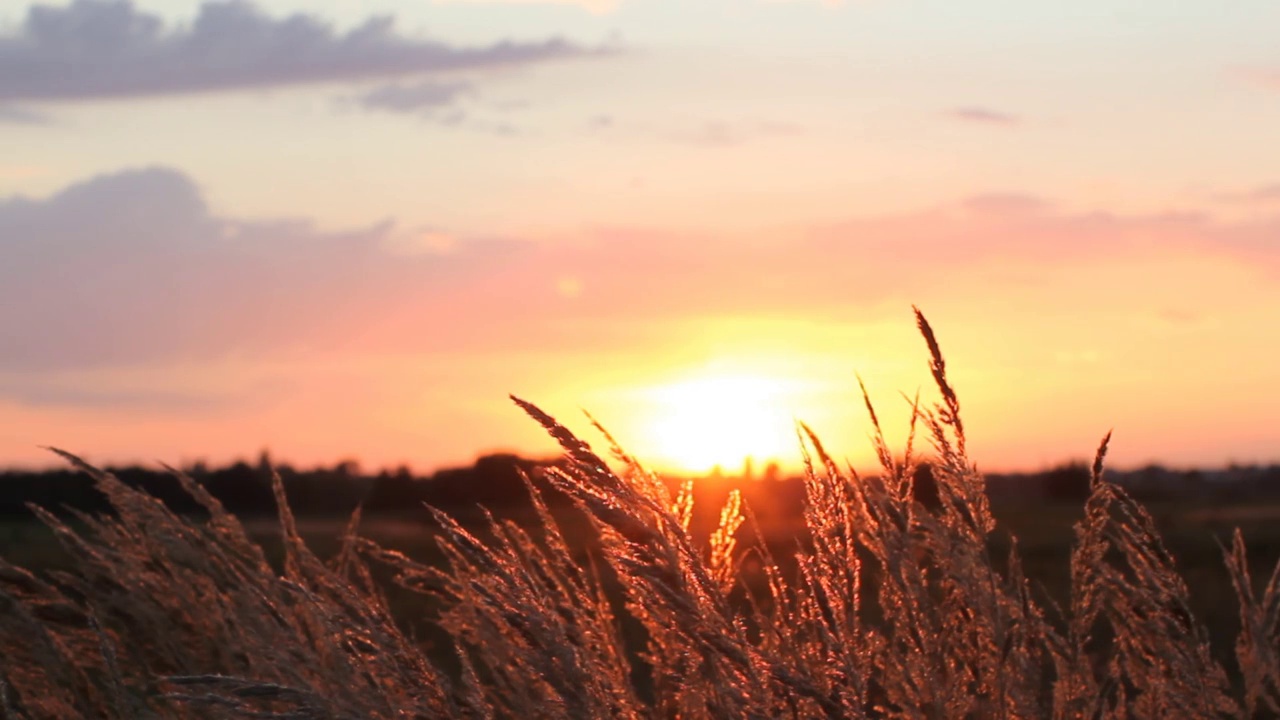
703	423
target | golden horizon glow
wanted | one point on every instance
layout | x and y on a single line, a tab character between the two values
719	420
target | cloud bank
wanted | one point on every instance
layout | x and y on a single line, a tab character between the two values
133	268
96	49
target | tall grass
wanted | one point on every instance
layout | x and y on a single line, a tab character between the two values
891	607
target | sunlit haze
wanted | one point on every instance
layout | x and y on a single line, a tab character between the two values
352	233
717	420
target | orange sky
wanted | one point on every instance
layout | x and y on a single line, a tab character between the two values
696	221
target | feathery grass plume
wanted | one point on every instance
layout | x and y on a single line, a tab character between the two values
1078	689
532	622
980	622
42	671
1136	649
1258	645
158	600
949	411
723	542
828	594
648	482
702	662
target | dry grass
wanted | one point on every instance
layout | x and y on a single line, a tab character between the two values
891	608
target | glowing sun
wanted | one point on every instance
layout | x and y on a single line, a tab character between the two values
700	423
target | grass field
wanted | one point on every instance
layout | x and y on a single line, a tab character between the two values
1192	532
638	604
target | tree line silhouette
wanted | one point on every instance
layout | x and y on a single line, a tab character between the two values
495	482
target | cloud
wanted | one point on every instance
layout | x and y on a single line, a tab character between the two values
94	49
49	395
1268	193
1262	195
653	276
439	102
1010	242
983	116
710	134
717	133
422	97
597	7
1006	203
14	115
1268	78
174	390
133	267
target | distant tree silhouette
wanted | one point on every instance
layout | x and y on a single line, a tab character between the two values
243	489
393	494
1067	482
495	481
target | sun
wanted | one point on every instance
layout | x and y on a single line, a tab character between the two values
698	424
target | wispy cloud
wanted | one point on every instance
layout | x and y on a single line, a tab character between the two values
1006	203
24	391
983	116
591	6
1266	194
1266	77
92	49
423	97
715	133
14	115
448	104
722	134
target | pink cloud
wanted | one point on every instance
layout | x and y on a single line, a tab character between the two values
984	116
133	268
1264	194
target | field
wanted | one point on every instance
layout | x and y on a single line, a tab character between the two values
628	598
1192	532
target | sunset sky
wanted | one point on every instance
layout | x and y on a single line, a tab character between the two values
350	233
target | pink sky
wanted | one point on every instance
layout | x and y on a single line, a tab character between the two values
694	223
